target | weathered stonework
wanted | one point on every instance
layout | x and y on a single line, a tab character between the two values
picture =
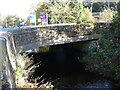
44	34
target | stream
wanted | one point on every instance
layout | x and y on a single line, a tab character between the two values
62	67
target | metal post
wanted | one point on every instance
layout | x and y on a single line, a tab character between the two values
108	3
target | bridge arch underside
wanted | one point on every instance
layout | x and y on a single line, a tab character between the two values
68	54
83	46
62	53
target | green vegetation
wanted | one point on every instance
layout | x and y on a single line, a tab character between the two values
21	71
74	11
99	6
69	12
107	15
64	12
40	7
25	68
61	12
2	18
105	58
10	21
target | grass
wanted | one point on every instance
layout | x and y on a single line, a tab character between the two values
24	67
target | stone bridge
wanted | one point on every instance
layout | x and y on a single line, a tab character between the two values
16	40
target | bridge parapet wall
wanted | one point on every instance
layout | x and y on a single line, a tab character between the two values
52	34
43	34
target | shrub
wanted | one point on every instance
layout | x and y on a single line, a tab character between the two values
69	12
105	58
87	16
107	14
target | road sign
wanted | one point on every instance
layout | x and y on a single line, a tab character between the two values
32	18
44	17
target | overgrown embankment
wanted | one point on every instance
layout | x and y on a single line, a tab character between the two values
60	68
105	58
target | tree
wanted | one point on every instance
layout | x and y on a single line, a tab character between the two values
2	18
12	21
68	12
61	12
107	15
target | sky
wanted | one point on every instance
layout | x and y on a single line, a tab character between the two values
19	7
16	7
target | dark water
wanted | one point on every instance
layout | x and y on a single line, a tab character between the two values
62	67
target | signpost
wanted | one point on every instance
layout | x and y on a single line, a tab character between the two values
44	17
33	18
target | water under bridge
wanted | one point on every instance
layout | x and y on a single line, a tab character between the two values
15	40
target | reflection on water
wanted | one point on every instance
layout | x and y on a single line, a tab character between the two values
62	67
